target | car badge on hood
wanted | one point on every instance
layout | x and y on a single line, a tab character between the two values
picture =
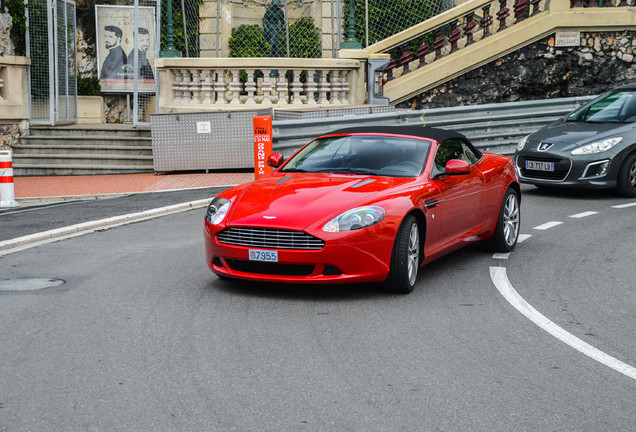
545	146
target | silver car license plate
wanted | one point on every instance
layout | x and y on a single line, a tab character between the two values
539	166
263	255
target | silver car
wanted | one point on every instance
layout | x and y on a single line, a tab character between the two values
592	147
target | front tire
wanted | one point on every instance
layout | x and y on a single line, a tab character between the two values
504	239
626	181
405	258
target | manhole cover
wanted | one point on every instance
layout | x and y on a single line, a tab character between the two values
29	284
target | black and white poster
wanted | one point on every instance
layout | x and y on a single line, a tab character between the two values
116	54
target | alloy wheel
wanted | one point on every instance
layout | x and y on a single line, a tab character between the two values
511	220
413	253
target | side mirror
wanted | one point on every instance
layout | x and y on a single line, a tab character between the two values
457	167
275	160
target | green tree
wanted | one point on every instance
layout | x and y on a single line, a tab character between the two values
304	39
191	11
17	10
248	41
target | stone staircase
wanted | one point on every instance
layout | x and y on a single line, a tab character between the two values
84	150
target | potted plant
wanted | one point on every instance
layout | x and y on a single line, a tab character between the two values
90	104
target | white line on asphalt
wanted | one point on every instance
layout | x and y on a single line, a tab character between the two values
624	205
523	237
25	242
584	214
500	279
548	225
501	256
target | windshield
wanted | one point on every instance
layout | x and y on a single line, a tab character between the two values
615	107
362	154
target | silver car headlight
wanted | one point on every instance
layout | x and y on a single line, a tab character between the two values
217	210
597	147
357	218
522	143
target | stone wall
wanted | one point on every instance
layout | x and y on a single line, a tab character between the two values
6	44
542	71
10	133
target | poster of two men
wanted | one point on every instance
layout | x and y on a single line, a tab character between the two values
116	53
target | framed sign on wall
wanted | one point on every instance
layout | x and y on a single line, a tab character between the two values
116	54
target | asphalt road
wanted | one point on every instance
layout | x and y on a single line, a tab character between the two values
140	335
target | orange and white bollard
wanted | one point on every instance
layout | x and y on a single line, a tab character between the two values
7	196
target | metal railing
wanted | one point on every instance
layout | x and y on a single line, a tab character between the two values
492	127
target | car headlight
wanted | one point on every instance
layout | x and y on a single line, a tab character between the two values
217	210
522	143
597	147
354	219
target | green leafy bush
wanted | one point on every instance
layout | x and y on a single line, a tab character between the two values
304	39
248	41
192	21
17	10
88	86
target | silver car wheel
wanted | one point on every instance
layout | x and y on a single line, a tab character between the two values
511	220
632	175
413	253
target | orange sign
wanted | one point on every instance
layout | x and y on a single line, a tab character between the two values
262	145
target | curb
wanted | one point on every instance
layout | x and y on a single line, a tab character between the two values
101	224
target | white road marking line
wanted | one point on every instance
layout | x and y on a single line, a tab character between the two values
523	237
31	240
501	256
547	225
584	214
500	279
624	205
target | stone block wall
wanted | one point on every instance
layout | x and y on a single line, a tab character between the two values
542	71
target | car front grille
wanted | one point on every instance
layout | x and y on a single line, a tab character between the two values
269	238
561	168
275	269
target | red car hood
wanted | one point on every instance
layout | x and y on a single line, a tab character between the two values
296	200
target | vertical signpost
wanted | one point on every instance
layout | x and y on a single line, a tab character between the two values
262	145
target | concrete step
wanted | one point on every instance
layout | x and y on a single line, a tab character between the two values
84	150
108	129
84	159
25	150
82	140
36	169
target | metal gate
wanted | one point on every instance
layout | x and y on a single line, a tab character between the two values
52	49
145	102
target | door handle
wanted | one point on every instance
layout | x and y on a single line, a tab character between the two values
432	202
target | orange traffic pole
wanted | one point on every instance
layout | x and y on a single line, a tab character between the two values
263	146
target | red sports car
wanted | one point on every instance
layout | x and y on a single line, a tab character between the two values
369	204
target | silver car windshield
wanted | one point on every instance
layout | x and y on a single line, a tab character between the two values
362	154
615	107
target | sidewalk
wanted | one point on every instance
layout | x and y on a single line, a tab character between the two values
27	188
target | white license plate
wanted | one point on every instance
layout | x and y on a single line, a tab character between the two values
263	255
540	166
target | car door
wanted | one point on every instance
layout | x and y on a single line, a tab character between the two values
461	197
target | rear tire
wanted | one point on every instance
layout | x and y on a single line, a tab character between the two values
626	181
405	258
504	239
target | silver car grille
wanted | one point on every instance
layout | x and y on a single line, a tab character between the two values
269	238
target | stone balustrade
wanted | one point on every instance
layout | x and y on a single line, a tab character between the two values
14	96
479	31
188	84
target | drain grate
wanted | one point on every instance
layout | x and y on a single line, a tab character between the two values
29	284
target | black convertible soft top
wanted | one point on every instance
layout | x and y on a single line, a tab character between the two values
439	135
